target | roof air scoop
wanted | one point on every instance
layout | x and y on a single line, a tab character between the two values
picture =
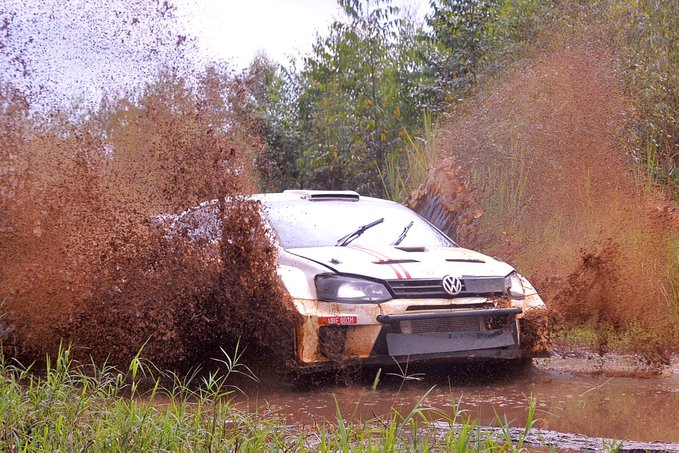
321	195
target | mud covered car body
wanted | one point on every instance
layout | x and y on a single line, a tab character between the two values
376	283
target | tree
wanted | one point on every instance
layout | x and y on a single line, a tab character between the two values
460	40
351	104
269	106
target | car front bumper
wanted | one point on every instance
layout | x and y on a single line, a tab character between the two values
408	330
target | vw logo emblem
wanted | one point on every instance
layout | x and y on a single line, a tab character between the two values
452	285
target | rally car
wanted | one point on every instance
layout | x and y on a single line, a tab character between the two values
376	283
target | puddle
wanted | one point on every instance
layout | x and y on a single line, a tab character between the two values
632	408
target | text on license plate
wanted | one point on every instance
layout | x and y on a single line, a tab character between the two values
338	320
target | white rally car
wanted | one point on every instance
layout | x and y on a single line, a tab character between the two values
376	283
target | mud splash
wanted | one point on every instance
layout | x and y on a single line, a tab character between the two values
536	332
602	295
534	171
447	201
86	257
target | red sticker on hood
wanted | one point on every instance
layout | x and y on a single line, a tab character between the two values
398	269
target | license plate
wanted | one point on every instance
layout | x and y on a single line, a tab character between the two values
338	320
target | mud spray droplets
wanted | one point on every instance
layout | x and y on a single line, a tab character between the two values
86	256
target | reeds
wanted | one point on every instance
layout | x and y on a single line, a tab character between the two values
503	188
405	169
69	406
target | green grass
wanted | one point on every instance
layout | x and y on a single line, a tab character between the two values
646	31
504	188
632	338
74	407
404	170
578	336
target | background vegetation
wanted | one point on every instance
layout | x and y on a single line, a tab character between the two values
358	103
81	188
345	116
367	109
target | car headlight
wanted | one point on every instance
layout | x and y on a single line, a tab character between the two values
344	289
514	286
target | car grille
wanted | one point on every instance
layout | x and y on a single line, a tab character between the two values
427	288
461	324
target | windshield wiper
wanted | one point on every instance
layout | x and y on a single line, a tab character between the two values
403	233
344	240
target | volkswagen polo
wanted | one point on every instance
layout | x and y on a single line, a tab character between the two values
375	283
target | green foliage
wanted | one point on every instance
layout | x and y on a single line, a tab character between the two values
648	36
503	188
407	168
347	117
468	41
461	38
269	106
71	407
351	108
505	428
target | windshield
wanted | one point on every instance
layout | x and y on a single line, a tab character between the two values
304	223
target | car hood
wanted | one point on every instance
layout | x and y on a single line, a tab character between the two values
390	263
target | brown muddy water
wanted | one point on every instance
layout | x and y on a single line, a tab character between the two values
582	394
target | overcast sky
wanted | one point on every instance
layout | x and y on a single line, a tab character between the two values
237	29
